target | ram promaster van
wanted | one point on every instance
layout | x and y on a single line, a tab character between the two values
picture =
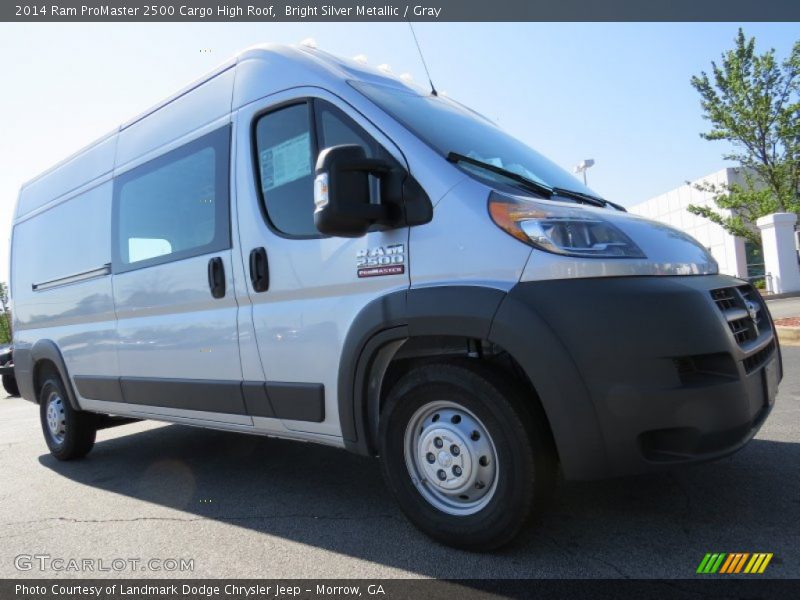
304	247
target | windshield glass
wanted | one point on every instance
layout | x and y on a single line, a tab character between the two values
448	127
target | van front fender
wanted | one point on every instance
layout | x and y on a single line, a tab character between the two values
520	330
479	313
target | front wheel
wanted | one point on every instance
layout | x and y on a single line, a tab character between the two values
69	433
466	454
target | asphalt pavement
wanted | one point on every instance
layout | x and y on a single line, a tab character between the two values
245	506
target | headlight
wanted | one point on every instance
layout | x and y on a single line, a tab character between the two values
561	229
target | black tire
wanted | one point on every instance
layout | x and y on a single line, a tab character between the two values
10	384
525	471
77	428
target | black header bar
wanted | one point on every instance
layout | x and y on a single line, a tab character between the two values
67	588
421	10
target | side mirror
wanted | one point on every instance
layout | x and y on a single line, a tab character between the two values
341	191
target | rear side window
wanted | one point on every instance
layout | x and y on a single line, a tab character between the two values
288	141
175	206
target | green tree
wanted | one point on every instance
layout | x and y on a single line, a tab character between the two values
5	317
753	103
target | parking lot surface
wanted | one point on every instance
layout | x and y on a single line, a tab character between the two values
245	506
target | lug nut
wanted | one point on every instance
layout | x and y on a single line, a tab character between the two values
456	470
455	450
441	474
438	442
430	457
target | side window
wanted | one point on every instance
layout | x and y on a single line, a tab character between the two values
285	158
175	206
336	129
286	153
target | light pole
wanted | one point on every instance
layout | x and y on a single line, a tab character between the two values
583	166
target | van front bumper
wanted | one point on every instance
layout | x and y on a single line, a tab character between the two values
645	372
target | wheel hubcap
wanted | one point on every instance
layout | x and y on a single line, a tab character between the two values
451	458
56	419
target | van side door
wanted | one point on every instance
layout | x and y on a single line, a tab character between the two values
173	284
304	289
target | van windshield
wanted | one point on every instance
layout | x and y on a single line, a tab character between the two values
449	127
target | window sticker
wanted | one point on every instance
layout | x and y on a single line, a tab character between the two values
286	162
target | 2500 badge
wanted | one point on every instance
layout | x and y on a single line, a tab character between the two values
381	260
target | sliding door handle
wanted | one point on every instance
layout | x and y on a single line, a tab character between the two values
216	277
259	270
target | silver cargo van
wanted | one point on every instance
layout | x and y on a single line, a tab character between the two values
302	246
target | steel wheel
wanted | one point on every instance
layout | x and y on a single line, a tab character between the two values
451	458
56	418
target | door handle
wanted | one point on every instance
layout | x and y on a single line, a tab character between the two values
216	277
259	270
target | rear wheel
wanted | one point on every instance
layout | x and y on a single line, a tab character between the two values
468	459
69	433
10	384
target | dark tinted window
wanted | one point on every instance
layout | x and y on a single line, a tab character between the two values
286	154
174	206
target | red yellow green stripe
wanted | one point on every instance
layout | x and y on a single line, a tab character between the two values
734	562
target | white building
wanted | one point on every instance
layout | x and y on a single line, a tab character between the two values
670	208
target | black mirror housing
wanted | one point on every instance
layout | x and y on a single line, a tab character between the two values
342	204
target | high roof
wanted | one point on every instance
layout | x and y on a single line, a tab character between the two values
307	66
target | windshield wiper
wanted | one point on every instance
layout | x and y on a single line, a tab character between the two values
529	184
580	197
587	199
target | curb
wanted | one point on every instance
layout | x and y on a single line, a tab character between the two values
788	335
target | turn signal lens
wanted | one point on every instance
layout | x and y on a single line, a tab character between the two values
321	191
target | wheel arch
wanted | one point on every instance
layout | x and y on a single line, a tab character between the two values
45	355
389	329
384	325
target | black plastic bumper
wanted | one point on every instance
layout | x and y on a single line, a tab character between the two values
644	372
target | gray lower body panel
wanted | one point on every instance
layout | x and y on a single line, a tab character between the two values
282	400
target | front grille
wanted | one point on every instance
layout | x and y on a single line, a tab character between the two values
750	294
724	298
742	330
743	310
754	361
747	318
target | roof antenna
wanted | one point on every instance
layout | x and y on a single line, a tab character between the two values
422	58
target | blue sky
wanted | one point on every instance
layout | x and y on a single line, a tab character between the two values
618	93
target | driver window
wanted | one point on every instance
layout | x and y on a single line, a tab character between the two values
337	129
287	145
